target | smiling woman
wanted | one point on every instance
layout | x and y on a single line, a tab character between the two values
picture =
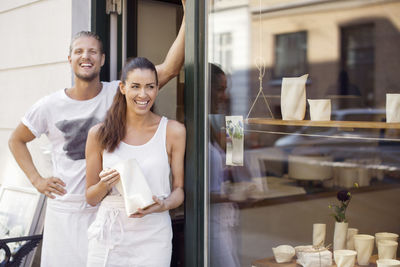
132	131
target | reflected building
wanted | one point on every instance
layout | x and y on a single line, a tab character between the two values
347	47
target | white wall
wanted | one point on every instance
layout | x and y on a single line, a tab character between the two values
156	32
35	37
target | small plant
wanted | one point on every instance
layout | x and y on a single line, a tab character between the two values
344	197
235	130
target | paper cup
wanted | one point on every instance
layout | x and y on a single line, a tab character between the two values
320	109
344	257
319	230
392	107
385	236
388	263
350	237
387	249
364	244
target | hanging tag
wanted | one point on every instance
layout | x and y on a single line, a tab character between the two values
235	140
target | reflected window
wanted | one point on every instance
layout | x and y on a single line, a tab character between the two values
223	50
357	62
290	54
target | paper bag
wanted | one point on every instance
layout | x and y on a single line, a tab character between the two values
293	98
133	186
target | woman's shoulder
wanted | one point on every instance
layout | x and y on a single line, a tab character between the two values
93	131
175	129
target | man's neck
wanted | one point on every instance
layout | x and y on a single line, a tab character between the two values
84	90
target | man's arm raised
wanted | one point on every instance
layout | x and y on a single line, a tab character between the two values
176	55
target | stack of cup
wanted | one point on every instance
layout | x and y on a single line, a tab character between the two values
364	245
387	245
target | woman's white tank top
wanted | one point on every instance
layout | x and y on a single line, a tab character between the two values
152	158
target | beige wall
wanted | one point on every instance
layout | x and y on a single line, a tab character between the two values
34	49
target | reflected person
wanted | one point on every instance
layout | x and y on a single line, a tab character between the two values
224	215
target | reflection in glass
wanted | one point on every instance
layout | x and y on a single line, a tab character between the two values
292	172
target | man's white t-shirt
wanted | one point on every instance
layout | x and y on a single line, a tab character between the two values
66	123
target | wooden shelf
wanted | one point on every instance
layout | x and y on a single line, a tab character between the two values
270	262
339	124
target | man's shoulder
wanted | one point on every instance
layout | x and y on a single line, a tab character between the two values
50	98
113	85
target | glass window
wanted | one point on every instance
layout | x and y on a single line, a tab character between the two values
291	54
274	173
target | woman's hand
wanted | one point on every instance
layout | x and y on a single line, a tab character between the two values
109	177
158	206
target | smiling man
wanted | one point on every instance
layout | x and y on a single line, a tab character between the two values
66	117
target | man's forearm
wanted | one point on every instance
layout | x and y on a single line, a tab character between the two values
24	160
174	60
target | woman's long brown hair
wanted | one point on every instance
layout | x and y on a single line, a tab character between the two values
112	130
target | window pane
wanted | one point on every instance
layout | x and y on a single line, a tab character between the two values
291	170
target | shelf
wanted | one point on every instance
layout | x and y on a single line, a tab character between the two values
339	124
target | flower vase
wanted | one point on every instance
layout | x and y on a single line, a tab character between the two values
237	150
340	235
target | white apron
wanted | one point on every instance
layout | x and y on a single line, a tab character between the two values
65	231
117	240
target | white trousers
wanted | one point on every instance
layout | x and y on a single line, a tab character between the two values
65	232
117	240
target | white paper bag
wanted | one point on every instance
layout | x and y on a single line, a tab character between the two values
293	98
133	186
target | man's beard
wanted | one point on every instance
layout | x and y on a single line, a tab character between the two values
87	78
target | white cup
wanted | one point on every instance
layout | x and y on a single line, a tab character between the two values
387	249
319	230
385	236
364	244
388	263
392	107
344	257
350	237
320	109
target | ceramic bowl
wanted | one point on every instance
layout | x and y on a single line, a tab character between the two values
283	253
